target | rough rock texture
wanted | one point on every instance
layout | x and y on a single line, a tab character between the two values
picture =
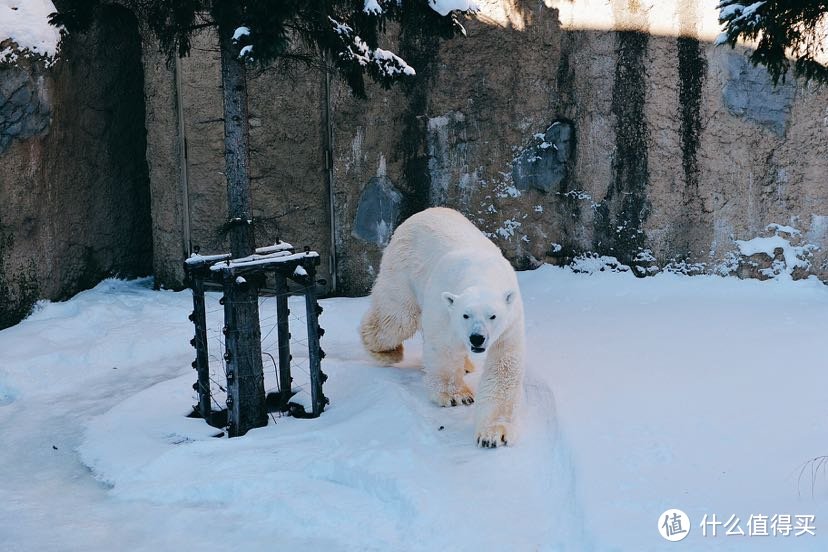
544	165
23	111
378	212
749	92
74	190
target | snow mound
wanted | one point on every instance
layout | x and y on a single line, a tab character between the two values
590	263
382	467
793	256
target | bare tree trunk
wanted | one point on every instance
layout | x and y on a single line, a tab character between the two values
236	147
245	377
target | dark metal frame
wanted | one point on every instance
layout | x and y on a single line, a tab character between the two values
221	270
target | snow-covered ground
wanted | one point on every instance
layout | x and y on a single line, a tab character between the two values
701	393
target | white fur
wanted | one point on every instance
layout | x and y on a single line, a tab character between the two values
437	268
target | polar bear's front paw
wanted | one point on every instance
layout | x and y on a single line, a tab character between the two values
493	436
463	395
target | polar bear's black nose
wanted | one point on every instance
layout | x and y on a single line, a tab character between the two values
476	340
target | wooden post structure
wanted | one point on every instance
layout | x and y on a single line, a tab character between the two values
242	332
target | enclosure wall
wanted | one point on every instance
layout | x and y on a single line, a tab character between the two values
74	184
672	147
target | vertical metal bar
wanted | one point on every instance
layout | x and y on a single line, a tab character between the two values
314	354
231	349
283	331
202	363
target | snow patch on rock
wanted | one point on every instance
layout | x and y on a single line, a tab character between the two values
26	23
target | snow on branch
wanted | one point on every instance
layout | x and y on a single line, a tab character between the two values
240	32
779	32
24	24
354	49
241	36
372	7
443	7
739	17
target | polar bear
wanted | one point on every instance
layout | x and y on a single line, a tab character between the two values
442	275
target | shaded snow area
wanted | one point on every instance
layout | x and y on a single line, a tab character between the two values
26	22
701	393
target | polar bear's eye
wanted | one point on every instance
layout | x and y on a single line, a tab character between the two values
466	316
492	317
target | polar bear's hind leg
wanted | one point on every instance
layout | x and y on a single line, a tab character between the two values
385	327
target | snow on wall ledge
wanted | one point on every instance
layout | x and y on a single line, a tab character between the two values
25	29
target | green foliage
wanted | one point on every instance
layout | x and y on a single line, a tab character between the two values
781	27
285	29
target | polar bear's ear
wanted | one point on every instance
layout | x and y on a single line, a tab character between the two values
510	296
449	298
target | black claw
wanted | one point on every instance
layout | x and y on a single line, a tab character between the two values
453	402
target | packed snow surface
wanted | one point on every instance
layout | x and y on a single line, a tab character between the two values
26	22
702	393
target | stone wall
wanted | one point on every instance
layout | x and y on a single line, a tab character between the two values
559	128
637	139
74	187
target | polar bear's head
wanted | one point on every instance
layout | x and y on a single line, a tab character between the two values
479	315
